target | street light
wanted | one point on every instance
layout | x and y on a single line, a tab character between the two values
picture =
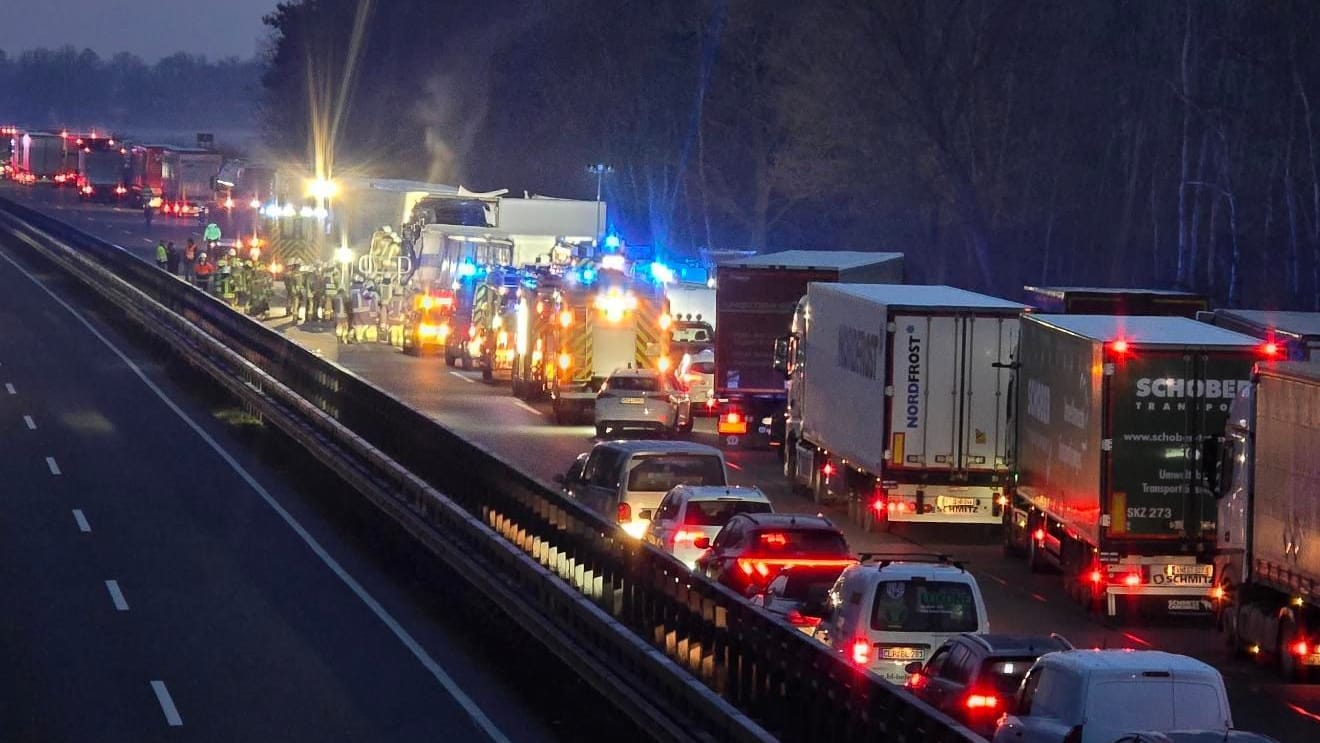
322	188
599	169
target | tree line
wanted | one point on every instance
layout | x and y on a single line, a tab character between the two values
68	88
995	142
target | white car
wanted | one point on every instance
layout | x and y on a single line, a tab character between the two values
689	512
641	400
890	611
698	374
1097	696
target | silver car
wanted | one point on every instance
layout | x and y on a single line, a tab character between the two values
689	512
698	374
641	400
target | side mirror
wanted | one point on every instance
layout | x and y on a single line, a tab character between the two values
702	543
781	356
913	667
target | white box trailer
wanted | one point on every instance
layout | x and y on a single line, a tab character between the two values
536	223
898	399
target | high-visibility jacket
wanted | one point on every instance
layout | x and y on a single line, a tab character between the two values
161	256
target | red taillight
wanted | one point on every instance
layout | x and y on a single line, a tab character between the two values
798	619
1119	346
828	469
1301	648
1270	349
861	652
1040	534
710	404
1097	576
754	566
1132	579
774	539
686	536
981	702
878	505
624	513
916	681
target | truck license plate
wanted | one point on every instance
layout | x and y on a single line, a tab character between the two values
632	401
1181	569
961	502
902	653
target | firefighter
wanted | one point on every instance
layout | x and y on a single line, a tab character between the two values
259	292
205	269
162	256
296	295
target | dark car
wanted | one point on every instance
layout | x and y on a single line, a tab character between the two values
974	678
753	547
799	595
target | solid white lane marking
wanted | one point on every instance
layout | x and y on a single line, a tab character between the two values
116	595
78	516
474	712
527	407
9	387
53	466
166	704
465	379
31	424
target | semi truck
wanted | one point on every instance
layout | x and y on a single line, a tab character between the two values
187	175
1110	416
755	298
896	401
1094	300
146	164
1267	590
1296	335
101	165
39	157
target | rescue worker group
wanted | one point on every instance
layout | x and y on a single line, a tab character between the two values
313	293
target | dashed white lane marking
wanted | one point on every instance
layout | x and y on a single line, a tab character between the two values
9	387
525	406
474	712
53	466
166	704
996	579
465	379
31	424
116	595
78	516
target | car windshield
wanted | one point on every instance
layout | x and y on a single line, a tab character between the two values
801	543
633	384
718	512
662	472
1005	674
924	606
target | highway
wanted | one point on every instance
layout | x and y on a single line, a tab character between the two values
1019	602
175	572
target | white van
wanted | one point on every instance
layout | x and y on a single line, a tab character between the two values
888	612
1097	696
626	480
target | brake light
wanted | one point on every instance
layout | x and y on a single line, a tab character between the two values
1132	579
861	652
683	535
828	469
1270	349
1040	534
982	702
1097	576
916	681
798	619
1301	648
624	513
1119	346
878	504
774	539
754	566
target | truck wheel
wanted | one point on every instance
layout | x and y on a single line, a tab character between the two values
487	374
518	389
450	360
1035	563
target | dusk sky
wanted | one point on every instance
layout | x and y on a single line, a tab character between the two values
149	28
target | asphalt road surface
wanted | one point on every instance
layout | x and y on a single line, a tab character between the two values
1018	601
171	573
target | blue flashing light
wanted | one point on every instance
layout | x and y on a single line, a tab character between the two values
588	275
467	270
662	273
612	242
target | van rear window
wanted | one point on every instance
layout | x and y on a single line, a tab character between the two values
658	473
924	606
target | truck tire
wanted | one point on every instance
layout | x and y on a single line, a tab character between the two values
1035	563
1292	671
450	360
487	375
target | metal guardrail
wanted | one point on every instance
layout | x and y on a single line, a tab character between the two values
613	606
